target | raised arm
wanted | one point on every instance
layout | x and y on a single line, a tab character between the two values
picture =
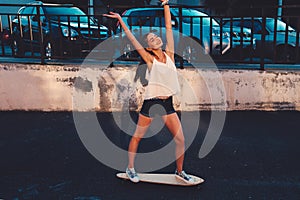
169	32
147	57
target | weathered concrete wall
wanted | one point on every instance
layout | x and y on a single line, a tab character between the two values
89	88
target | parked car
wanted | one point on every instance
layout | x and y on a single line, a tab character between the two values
194	26
242	44
275	39
66	30
5	37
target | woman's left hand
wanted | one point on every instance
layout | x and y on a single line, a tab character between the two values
112	15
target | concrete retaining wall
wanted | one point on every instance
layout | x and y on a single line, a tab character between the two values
97	88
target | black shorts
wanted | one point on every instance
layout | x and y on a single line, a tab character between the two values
152	107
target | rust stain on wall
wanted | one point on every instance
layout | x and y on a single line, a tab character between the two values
84	85
105	97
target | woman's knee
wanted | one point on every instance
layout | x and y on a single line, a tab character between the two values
135	139
179	139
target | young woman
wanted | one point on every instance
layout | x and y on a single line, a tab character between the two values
162	85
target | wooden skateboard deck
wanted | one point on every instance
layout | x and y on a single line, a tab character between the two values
169	179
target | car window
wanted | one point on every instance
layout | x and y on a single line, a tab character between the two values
227	23
159	20
281	26
256	25
65	14
196	17
27	11
235	23
142	18
34	12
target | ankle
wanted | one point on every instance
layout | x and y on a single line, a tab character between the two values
130	167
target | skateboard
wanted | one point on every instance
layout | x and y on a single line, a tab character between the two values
168	179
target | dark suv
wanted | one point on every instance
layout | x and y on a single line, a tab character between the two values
196	28
280	42
65	30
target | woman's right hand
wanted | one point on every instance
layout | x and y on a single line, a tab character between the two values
113	15
164	1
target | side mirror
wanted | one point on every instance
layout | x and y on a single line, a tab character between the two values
35	18
173	22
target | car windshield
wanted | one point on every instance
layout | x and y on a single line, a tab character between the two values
65	14
197	17
281	26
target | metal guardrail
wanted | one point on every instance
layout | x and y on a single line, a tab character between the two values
273	44
36	34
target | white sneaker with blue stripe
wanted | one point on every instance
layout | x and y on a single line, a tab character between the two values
132	175
184	177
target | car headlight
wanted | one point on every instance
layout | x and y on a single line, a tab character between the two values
246	34
235	34
69	32
216	33
225	34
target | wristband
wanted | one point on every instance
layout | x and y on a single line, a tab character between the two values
166	2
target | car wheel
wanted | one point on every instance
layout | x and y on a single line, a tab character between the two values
188	53
129	52
49	49
191	50
17	47
286	55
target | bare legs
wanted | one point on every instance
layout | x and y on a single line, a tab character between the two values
141	128
173	124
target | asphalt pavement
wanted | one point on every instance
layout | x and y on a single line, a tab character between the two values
256	157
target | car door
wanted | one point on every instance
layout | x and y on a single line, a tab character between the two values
257	29
36	36
24	23
141	21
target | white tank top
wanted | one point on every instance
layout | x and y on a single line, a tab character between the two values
162	79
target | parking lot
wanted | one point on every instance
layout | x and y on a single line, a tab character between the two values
69	33
256	157
43	158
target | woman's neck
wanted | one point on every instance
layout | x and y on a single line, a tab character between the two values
159	54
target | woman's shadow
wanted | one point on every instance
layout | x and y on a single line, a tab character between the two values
140	75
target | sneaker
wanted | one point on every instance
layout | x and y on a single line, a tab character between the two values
185	177
132	175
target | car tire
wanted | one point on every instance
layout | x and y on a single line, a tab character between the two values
49	49
17	47
129	52
191	50
285	54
